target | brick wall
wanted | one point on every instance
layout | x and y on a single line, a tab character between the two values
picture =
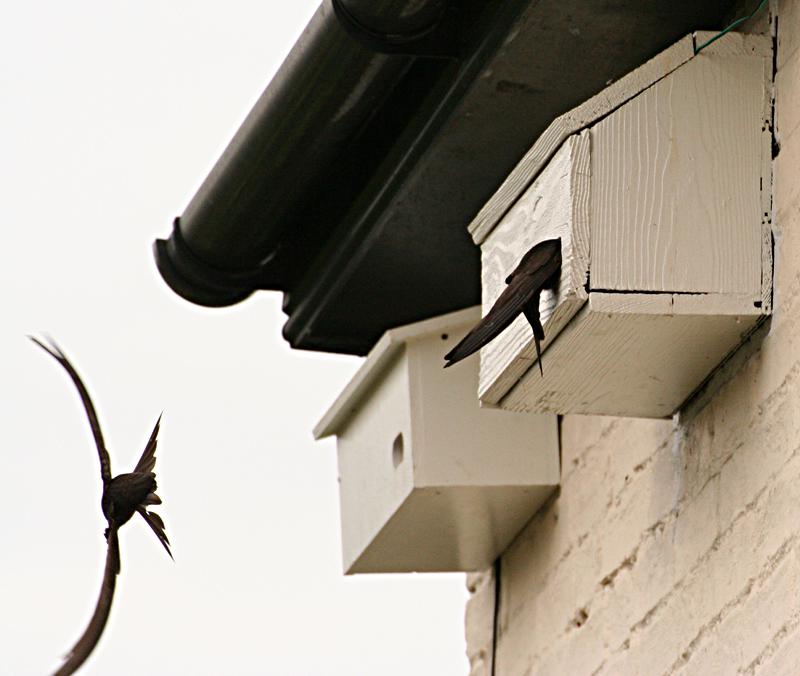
674	546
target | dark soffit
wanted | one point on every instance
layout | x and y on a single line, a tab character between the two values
379	237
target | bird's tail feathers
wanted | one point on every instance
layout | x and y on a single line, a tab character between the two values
157	526
531	313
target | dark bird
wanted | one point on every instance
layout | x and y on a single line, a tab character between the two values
123	495
539	269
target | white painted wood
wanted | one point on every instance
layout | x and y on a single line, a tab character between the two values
555	205
675	173
467	479
436	530
375	363
571	122
663	206
630	355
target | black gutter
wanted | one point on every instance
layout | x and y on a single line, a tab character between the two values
346	62
349	245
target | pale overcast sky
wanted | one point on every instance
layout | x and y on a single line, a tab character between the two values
111	115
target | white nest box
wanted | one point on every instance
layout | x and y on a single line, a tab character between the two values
428	480
660	190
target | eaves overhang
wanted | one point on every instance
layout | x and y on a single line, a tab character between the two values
350	184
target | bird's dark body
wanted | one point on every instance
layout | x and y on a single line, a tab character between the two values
539	269
124	493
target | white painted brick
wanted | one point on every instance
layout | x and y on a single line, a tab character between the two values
569	581
725	577
788	30
788	116
739	641
480	622
786	186
780	657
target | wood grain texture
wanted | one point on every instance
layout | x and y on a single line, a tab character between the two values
643	364
603	103
555	205
676	182
571	122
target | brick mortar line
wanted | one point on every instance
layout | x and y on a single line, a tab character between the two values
718	541
738	441
753	583
774	643
660	525
579	459
580	539
647	618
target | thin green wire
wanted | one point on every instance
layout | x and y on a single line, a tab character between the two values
731	27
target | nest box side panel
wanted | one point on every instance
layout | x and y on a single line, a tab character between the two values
375	475
458	443
676	182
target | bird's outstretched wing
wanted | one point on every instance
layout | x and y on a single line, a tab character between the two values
157	525
91	635
525	284
54	351
147	462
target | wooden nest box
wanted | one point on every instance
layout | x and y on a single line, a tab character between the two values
660	190
428	480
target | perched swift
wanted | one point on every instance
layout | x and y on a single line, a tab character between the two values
123	495
539	269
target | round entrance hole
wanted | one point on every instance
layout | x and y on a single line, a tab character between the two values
397	450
